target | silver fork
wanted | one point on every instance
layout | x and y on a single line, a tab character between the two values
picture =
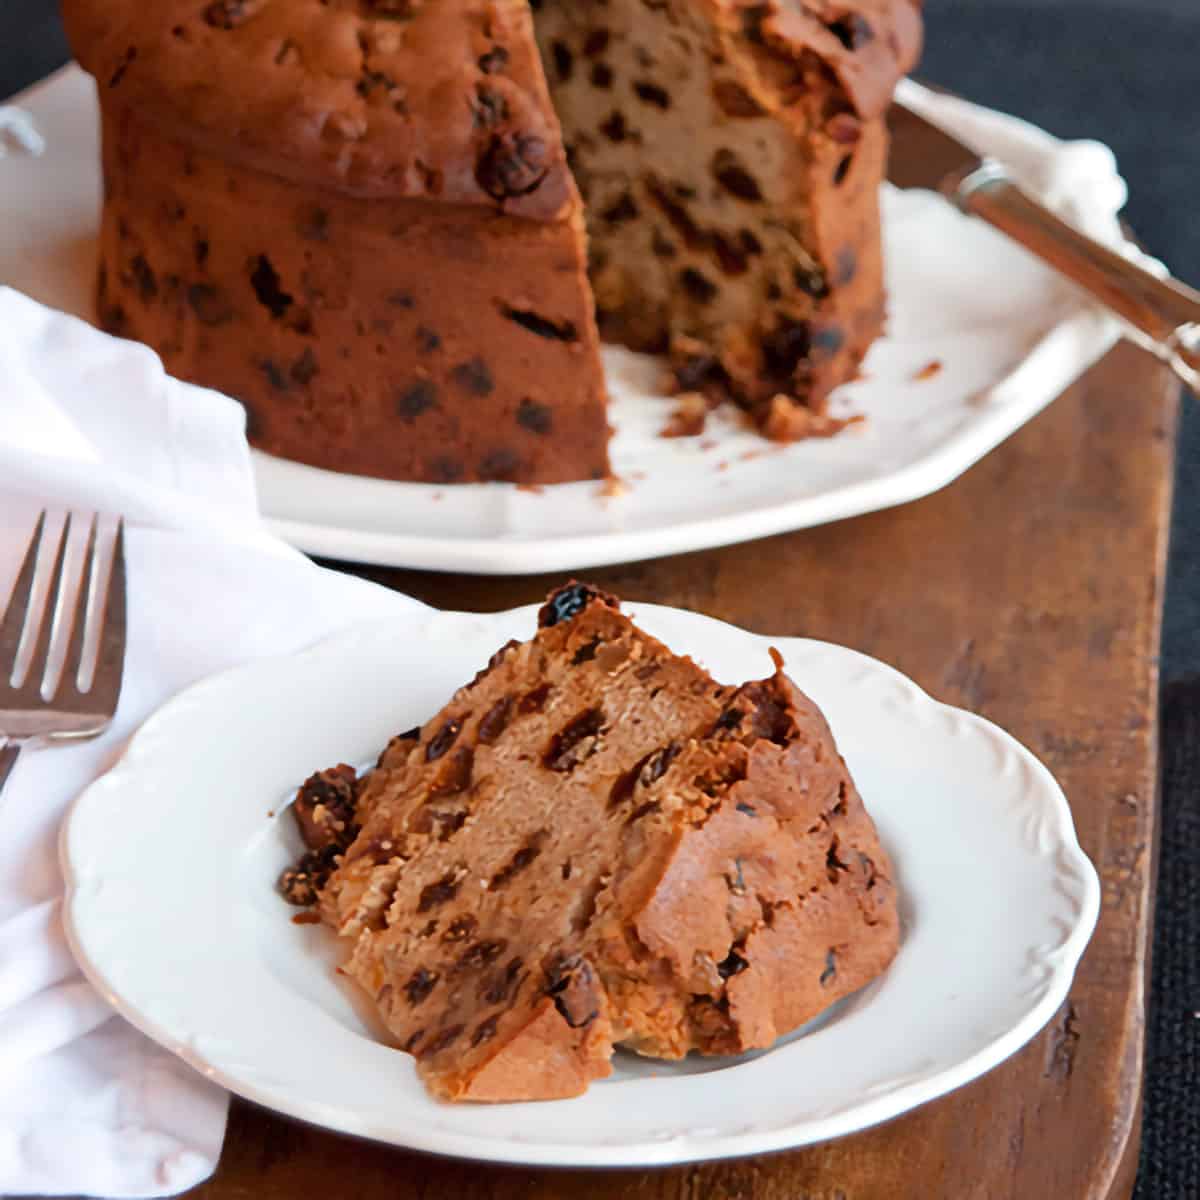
69	712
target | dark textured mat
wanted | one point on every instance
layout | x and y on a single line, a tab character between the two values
31	43
1126	73
1170	1166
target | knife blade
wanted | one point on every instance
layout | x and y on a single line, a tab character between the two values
925	156
1162	315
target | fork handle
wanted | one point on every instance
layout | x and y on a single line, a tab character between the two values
10	751
1161	315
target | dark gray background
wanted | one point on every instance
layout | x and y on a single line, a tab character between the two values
1127	72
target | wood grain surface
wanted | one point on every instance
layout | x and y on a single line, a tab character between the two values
1030	591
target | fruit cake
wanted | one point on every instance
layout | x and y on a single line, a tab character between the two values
362	219
596	844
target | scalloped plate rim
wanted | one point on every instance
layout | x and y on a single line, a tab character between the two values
681	1148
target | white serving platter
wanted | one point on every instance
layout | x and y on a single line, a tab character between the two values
1005	334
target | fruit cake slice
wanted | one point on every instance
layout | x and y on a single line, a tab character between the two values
596	844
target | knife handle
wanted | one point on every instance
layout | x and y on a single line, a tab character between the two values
1162	315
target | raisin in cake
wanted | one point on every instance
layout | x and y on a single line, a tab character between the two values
596	844
358	217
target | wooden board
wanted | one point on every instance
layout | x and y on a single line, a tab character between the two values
1030	591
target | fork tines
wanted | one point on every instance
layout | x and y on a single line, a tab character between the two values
37	627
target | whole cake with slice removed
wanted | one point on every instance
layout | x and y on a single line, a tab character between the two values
369	220
596	844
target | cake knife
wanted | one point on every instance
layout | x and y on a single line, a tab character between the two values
1162	315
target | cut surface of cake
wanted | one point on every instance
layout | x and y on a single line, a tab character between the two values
730	157
364	220
596	844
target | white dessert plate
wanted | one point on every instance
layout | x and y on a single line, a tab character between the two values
172	857
980	338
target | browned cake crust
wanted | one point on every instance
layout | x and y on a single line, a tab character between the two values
374	337
595	844
357	216
357	219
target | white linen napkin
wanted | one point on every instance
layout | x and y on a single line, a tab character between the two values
88	422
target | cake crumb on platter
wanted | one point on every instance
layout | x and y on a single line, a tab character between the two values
688	418
612	488
788	421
